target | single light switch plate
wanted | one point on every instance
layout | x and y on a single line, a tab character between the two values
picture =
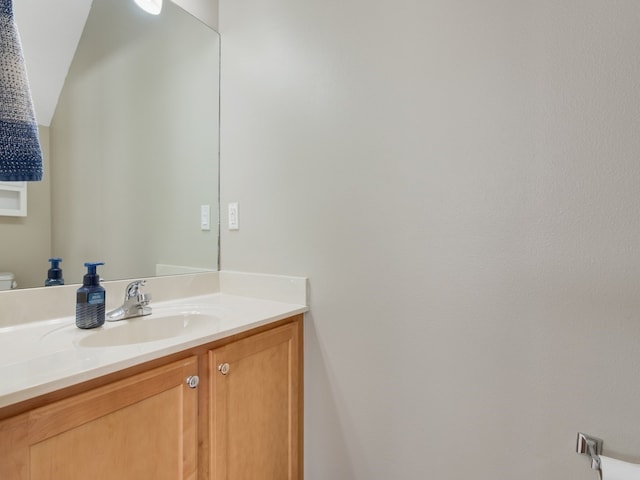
205	217
234	223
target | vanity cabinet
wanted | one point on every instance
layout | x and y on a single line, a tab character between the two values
144	426
256	407
243	421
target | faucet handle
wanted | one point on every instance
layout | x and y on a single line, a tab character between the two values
133	289
144	298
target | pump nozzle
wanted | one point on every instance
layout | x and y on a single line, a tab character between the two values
92	277
54	275
91	267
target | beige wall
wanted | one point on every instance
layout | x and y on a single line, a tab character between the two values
134	144
26	241
459	180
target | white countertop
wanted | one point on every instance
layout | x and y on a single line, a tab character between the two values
44	356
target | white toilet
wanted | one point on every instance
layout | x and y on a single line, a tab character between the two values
7	281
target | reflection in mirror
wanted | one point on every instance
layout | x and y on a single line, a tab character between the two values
132	153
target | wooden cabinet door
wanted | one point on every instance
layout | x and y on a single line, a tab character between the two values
256	407
143	427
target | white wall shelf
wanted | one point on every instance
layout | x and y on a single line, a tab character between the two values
13	199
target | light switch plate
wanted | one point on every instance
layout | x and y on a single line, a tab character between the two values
234	223
205	217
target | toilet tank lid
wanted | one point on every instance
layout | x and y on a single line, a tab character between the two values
6	276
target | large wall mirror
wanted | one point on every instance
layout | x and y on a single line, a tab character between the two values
132	153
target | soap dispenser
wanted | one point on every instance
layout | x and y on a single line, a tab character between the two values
54	275
90	299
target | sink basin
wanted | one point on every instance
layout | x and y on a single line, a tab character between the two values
149	329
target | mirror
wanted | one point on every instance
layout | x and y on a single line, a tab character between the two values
131	153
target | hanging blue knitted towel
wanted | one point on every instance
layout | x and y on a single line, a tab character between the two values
20	152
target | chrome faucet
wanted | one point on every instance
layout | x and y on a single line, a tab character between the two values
136	303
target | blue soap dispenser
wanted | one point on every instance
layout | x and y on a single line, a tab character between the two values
90	299
54	275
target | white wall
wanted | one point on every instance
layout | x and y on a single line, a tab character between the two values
460	181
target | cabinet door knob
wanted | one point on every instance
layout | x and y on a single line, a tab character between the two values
223	368
193	381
